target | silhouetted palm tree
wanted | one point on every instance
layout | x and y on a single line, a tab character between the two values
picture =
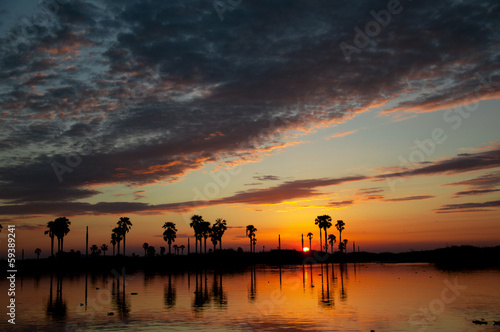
162	251
196	221
219	228
169	234
310	236
205	233
213	237
125	224
61	229
322	222
114	241
345	244
104	248
151	251
332	239
176	249
182	249
94	249
145	247
254	242
50	232
340	227
38	251
250	232
118	231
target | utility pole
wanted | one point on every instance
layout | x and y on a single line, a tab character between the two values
87	243
279	241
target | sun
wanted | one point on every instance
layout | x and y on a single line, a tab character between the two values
305	249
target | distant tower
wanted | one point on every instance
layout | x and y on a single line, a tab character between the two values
87	243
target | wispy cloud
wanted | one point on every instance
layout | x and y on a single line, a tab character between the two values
409	198
345	133
468	207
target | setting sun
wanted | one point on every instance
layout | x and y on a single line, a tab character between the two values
305	249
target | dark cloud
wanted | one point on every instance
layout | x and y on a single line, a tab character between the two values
267	177
341	203
288	190
464	162
409	198
484	181
475	192
468	207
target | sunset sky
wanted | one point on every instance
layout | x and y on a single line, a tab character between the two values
383	114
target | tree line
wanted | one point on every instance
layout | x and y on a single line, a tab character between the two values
60	227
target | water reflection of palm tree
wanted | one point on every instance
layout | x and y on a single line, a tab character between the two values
56	309
170	295
219	296
327	297
201	295
343	271
252	294
119	297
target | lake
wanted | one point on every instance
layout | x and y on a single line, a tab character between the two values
328	297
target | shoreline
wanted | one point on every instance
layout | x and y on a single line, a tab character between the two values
451	258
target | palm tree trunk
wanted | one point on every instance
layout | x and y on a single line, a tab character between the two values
169	247
205	245
118	247
310	246
326	242
62	242
123	243
220	244
320	241
196	243
114	250
340	236
215	244
251	246
52	246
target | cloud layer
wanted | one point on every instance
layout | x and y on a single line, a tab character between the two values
139	92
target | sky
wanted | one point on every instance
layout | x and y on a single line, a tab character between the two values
383	114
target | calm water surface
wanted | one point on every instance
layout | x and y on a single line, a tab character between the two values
348	297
